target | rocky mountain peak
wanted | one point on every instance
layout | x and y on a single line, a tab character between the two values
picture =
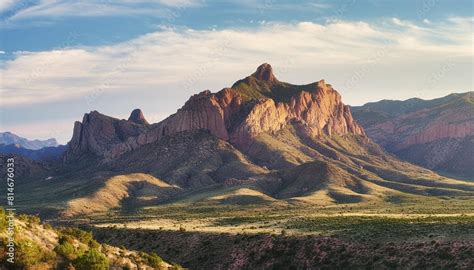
255	105
265	73
138	117
97	133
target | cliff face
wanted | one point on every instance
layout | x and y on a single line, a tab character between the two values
98	133
431	133
319	109
229	115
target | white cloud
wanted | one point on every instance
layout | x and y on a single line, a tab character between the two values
179	3
63	8
357	57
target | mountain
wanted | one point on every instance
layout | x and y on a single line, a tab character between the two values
258	104
260	141
437	134
45	153
7	138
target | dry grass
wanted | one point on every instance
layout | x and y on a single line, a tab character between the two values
115	190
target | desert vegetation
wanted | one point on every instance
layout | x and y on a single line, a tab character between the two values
40	246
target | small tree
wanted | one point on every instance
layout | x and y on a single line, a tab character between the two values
91	260
67	250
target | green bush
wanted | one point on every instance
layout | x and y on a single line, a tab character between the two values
67	250
91	260
94	244
154	260
28	254
66	238
81	235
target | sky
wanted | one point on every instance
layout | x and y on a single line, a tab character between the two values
60	59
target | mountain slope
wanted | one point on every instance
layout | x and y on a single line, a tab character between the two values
40	246
437	134
261	141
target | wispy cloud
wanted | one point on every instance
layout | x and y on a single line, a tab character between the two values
171	57
87	8
364	61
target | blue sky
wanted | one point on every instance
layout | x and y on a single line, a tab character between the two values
60	59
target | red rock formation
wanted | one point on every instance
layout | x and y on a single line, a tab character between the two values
440	130
319	110
225	115
265	73
204	111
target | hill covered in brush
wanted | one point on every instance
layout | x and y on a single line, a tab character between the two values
40	246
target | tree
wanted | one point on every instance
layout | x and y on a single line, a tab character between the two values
92	260
67	250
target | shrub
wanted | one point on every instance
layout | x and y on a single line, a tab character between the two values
154	260
94	244
28	253
67	250
91	260
66	238
3	219
82	236
29	219
176	267
47	226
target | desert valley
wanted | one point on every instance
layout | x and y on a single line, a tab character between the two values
264	174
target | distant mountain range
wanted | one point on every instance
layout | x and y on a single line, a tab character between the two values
43	154
437	134
47	150
260	141
7	138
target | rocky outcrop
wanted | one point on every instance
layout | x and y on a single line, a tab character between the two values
317	108
265	73
98	134
320	111
426	132
440	130
137	117
207	111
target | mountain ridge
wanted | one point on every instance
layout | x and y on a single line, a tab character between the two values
8	138
437	134
280	148
229	116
